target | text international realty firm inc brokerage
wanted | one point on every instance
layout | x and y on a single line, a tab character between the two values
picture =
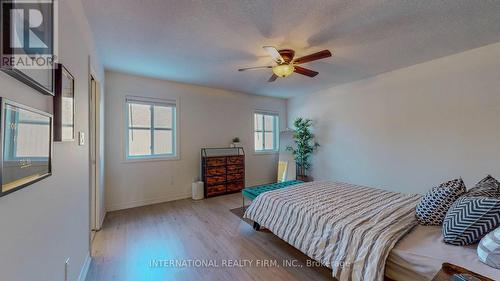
229	263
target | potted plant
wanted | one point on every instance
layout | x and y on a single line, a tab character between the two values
304	146
236	142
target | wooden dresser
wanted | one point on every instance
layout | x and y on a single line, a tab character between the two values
222	170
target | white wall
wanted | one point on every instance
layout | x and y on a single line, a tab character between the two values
413	128
47	222
208	118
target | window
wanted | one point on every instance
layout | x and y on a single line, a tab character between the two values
266	132
151	128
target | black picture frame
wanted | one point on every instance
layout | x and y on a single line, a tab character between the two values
30	77
64	99
27	180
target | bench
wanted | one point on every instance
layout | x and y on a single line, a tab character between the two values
254	191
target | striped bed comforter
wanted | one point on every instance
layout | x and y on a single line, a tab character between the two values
348	228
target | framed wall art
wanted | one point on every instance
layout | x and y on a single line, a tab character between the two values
28	47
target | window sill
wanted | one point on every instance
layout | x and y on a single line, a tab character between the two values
265	152
151	159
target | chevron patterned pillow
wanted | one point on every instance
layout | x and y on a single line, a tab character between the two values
488	187
469	219
488	249
433	206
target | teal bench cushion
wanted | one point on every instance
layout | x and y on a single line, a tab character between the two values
254	191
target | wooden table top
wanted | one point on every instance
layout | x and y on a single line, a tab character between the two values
448	270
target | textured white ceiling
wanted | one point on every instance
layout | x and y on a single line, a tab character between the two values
205	41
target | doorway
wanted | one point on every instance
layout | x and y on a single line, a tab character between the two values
95	155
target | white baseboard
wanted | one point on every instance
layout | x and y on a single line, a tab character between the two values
85	268
102	219
140	203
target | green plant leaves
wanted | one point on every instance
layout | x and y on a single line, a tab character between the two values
304	143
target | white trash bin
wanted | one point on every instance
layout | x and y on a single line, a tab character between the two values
197	188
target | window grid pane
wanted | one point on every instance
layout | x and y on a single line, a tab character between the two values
258	122
259	141
139	142
269	141
163	142
163	117
269	123
151	129
139	115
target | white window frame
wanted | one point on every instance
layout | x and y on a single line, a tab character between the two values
276	132
175	129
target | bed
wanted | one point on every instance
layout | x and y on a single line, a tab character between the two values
348	228
361	233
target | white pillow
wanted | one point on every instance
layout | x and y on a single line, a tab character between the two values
488	249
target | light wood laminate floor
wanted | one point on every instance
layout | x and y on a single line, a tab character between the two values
189	233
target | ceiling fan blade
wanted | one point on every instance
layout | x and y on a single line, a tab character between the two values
273	78
312	57
273	52
305	71
254	68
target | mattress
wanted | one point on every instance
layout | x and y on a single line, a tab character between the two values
419	255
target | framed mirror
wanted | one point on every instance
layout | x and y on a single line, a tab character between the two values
64	104
26	146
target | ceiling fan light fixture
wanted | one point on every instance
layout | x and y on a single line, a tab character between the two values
283	70
286	64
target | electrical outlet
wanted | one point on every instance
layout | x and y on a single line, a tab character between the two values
66	266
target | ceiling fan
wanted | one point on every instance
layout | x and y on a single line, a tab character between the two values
286	65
